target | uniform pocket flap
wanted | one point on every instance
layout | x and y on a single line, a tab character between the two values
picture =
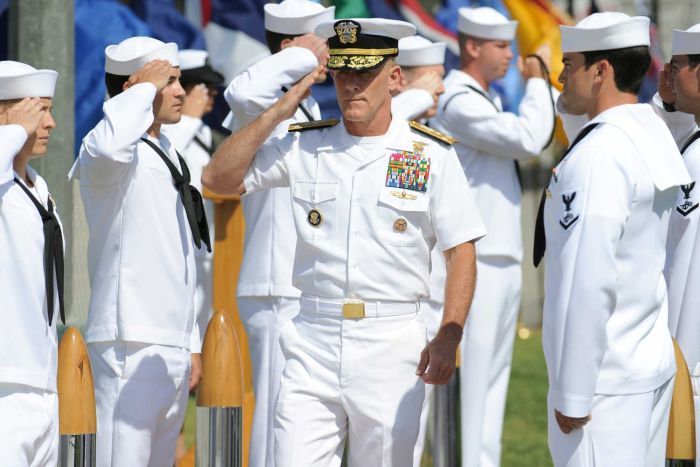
315	192
404	200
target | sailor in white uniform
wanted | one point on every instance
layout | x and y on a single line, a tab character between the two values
604	216
491	142
31	271
193	139
266	297
146	223
422	69
680	108
371	195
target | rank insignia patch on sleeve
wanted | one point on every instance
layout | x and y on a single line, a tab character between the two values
570	217
687	204
408	171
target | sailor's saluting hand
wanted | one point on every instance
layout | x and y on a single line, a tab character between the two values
156	72
26	113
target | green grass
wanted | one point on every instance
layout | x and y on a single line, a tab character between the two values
525	430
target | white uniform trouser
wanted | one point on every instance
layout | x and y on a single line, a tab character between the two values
624	431
263	317
28	426
432	316
487	352
354	378
141	395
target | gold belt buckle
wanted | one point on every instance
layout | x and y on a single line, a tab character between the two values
354	309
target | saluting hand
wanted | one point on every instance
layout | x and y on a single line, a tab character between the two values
317	45
567	424
437	360
156	72
430	82
27	113
195	103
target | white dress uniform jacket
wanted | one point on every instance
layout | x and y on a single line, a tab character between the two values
142	285
28	349
606	218
356	252
266	269
488	142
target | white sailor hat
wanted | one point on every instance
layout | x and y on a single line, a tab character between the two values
486	23
195	68
419	51
296	17
19	80
605	31
686	42
362	44
133	53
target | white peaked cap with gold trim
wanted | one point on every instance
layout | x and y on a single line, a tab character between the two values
419	51
19	80
486	23
605	31
686	42
131	54
296	17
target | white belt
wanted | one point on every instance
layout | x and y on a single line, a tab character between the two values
356	309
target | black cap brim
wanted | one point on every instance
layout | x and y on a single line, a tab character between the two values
205	74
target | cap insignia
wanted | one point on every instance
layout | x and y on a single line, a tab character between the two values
347	31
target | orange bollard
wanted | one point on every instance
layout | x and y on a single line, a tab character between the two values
680	443
220	397
76	402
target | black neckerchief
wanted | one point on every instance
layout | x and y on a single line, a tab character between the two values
540	244
690	141
302	108
189	195
53	253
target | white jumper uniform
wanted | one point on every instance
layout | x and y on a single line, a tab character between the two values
193	139
266	297
605	333
411	103
682	269
141	259
28	344
367	213
489	142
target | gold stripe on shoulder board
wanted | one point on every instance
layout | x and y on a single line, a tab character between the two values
303	126
432	133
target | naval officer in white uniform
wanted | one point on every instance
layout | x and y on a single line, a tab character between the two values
266	297
422	69
31	271
146	223
680	109
491	142
193	139
371	195
610	360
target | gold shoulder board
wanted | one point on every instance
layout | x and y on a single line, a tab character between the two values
431	133
316	124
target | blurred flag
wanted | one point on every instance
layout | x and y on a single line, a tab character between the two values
116	23
168	24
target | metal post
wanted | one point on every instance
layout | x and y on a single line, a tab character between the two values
446	424
76	403
220	397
